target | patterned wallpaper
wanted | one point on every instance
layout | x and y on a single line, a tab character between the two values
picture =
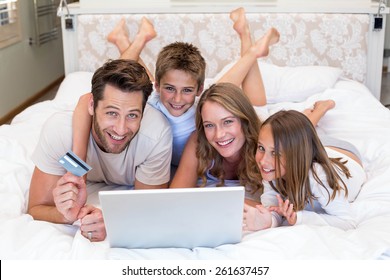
338	40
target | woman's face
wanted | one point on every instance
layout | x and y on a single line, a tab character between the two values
265	155
223	130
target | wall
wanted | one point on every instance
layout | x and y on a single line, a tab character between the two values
25	70
387	34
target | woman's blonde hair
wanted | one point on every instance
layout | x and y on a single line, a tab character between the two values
296	139
230	97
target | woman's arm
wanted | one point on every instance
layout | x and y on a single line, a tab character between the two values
186	174
82	122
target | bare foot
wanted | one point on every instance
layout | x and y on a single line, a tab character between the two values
120	36
146	31
319	109
240	22
261	46
324	105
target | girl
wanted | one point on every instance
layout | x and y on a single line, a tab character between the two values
304	182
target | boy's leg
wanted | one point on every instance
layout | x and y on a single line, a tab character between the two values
119	36
145	33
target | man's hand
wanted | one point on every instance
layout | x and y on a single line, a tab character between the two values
92	223
70	195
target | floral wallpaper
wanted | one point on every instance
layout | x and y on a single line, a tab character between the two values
338	40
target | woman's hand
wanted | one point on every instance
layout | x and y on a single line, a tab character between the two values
256	218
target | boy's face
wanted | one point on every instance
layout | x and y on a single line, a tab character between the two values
177	90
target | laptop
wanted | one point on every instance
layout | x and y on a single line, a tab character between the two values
178	218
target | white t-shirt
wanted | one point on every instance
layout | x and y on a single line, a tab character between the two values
182	126
147	158
338	211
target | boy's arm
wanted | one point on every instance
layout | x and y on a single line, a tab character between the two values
82	123
186	174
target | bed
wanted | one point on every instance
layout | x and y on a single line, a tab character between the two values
310	63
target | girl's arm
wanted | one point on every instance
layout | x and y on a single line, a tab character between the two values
186	174
82	123
337	212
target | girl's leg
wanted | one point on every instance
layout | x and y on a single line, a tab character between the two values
319	110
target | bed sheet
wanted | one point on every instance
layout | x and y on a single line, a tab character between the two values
358	117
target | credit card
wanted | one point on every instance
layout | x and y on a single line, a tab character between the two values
72	163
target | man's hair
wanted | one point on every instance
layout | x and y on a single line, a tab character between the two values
125	75
184	57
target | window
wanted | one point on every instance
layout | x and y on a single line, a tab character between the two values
9	23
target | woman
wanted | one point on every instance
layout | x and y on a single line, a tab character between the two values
222	150
303	181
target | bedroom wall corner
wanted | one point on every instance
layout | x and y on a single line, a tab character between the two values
26	70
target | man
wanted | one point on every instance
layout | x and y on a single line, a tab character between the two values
130	144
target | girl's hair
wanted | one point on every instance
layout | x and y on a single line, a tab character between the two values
230	97
296	139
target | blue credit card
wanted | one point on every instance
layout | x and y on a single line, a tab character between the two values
72	163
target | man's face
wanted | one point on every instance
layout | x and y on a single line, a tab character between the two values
116	119
178	90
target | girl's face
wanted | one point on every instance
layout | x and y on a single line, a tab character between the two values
223	130
265	155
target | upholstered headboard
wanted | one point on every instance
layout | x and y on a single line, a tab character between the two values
341	40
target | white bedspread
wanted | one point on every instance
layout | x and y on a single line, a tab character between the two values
358	118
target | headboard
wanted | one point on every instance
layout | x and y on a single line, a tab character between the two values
343	40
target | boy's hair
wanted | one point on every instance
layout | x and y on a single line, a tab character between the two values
126	75
181	56
232	98
296	139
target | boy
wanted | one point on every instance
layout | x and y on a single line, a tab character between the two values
180	75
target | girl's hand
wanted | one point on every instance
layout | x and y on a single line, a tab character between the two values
256	218
285	209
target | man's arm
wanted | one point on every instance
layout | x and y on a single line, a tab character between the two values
141	186
56	199
41	203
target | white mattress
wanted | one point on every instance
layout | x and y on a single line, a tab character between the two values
358	117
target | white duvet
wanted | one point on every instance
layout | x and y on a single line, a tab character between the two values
358	117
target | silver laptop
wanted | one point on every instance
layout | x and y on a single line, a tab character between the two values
180	218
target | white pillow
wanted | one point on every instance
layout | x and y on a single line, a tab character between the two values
294	84
73	86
